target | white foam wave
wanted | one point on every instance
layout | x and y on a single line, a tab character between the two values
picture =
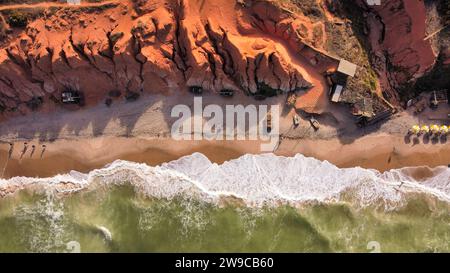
258	180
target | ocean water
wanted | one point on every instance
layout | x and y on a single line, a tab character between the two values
256	203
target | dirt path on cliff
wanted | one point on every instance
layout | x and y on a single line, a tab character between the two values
314	100
57	5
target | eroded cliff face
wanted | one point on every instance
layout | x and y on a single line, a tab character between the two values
131	47
400	51
156	46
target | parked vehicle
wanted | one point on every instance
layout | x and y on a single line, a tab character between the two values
196	90
296	120
227	92
314	123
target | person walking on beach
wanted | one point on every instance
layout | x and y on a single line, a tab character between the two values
43	150
11	148
33	148
401	184
24	150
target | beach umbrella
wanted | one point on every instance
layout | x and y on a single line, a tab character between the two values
415	129
435	129
444	129
425	129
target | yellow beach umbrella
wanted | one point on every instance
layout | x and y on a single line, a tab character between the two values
435	129
415	129
444	129
425	129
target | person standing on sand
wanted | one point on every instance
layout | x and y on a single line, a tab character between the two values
33	148
24	150
43	150
11	148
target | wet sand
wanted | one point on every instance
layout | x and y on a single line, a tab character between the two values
381	152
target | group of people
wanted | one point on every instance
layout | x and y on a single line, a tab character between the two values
25	148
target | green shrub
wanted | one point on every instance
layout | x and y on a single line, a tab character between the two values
18	19
35	103
267	91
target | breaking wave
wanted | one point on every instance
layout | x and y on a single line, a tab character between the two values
257	180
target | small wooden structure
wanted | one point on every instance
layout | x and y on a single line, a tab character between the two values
336	92
338	80
367	121
347	68
439	96
74	2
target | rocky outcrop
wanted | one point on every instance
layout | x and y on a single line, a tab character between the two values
155	46
397	31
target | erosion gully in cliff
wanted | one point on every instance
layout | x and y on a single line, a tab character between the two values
401	46
165	46
154	47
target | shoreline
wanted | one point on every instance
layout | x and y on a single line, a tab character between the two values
380	151
141	132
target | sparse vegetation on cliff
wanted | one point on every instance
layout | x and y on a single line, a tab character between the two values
3	27
261	48
35	103
348	39
345	38
17	19
309	8
437	78
444	8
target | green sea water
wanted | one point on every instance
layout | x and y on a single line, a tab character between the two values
119	219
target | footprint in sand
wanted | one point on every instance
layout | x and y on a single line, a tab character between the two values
43	150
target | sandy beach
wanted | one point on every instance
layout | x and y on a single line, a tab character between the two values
381	152
140	132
